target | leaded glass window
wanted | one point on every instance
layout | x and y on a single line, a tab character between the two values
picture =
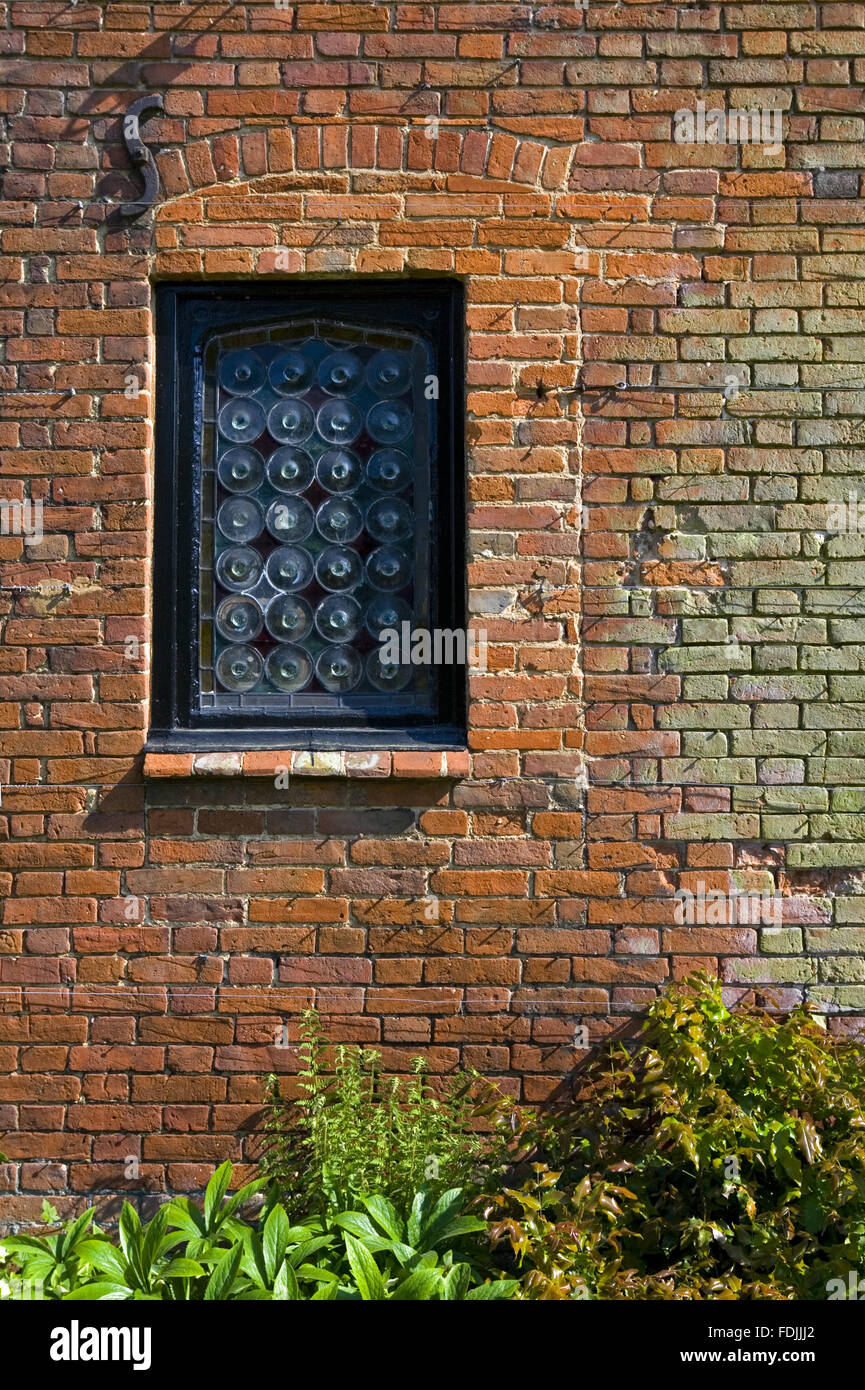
314	469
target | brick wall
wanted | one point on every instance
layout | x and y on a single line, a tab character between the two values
666	394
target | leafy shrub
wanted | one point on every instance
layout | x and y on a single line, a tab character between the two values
723	1158
354	1132
210	1253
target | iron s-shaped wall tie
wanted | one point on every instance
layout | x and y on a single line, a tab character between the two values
140	155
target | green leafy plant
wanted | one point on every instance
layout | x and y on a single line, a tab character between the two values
419	1254
210	1253
724	1157
353	1131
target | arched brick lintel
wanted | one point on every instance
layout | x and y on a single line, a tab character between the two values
338	148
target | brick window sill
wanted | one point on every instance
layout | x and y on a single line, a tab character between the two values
299	763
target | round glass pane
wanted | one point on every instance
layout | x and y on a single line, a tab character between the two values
290	373
338	470
339	520
389	520
289	618
289	567
339	669
389	373
240	519
290	519
238	568
339	422
388	422
238	619
239	669
389	470
385	612
341	373
241	470
290	469
338	568
388	569
338	618
241	372
291	422
288	668
241	420
386	675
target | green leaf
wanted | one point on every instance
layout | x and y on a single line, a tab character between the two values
456	1283
215	1191
224	1275
73	1234
387	1216
181	1268
364	1270
422	1284
108	1292
499	1289
274	1240
285	1285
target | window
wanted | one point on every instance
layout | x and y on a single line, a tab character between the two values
309	505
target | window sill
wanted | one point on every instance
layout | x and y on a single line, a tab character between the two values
300	763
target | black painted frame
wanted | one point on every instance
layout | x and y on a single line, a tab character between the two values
185	315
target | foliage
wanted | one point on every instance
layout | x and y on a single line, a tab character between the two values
723	1158
209	1253
354	1132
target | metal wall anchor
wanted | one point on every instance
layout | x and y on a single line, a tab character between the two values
140	155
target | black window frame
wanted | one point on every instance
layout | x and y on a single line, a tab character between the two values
185	315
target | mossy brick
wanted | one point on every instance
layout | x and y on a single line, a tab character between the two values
826	856
689	825
781	770
705	630
777	716
836	998
842	970
830	659
704	744
781	970
847	688
838	940
849	799
850	909
783	601
838	826
845	572
835	601
765	742
793	687
845	743
688	660
778	547
847	629
783	573
714	772
788	799
833	716
702	716
838	770
706	687
784	828
779	629
781	941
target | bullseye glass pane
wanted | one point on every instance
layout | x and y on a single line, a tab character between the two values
318	450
